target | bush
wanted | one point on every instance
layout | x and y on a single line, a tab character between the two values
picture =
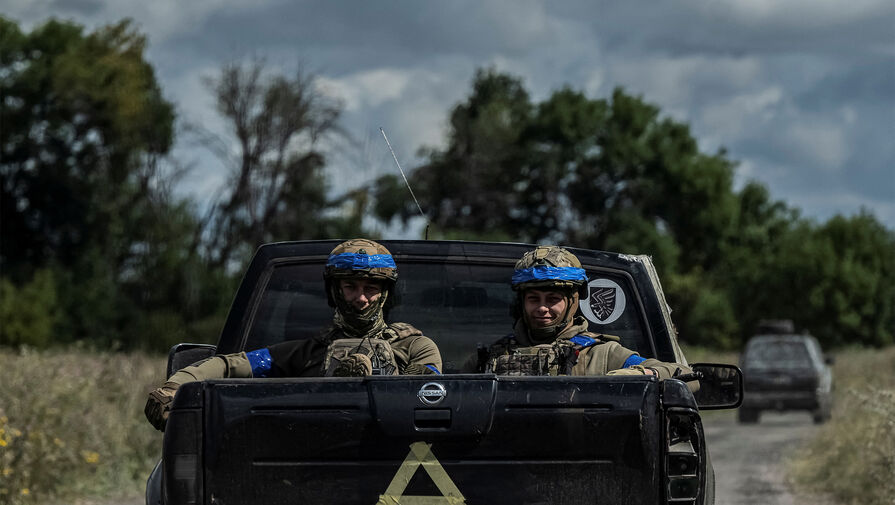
72	424
29	312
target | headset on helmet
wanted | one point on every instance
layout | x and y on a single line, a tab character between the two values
360	259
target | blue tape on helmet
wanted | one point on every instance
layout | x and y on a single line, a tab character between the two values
583	340
545	273
261	362
354	261
633	360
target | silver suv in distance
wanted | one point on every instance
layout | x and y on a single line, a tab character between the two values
785	372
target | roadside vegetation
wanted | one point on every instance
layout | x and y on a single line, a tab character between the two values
852	458
72	425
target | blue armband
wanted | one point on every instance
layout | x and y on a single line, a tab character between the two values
583	340
434	369
261	362
633	360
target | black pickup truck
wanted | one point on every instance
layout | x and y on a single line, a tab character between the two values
455	438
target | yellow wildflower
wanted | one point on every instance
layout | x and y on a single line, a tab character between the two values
6	471
90	457
16	432
2	442
58	442
26	491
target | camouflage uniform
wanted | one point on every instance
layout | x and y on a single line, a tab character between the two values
371	344
602	357
564	347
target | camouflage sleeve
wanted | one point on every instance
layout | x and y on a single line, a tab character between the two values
414	353
664	369
620	357
217	367
413	350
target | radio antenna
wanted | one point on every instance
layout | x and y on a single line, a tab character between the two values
423	214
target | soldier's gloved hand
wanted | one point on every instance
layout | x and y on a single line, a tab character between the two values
159	404
418	369
354	365
631	370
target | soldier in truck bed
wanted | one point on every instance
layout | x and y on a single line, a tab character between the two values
359	276
548	338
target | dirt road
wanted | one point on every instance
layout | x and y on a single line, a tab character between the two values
748	458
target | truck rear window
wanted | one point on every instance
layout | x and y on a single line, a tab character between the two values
459	304
768	353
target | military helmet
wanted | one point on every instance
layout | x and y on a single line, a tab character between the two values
549	267
360	258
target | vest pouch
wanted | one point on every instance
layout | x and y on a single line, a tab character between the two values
536	360
379	351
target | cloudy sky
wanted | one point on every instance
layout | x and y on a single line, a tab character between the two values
800	92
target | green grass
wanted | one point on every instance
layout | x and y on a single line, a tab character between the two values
852	459
72	425
696	354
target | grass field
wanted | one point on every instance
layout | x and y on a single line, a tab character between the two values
853	457
72	425
72	428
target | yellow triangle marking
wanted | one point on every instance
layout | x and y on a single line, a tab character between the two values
421	455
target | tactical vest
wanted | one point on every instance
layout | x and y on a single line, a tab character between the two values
558	358
378	350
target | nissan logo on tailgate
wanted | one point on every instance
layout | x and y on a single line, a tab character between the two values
432	393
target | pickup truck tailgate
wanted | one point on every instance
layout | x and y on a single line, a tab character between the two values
451	439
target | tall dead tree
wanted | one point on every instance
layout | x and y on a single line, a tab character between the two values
276	189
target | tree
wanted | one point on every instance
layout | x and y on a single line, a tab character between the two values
466	188
598	173
91	230
837	280
82	119
613	174
276	188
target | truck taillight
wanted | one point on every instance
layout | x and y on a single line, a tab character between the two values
183	462
684	468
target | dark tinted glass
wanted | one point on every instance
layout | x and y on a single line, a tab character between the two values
458	304
762	353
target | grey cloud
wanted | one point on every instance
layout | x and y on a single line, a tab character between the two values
366	34
82	7
714	27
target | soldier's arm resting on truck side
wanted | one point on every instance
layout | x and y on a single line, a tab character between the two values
623	361
217	367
